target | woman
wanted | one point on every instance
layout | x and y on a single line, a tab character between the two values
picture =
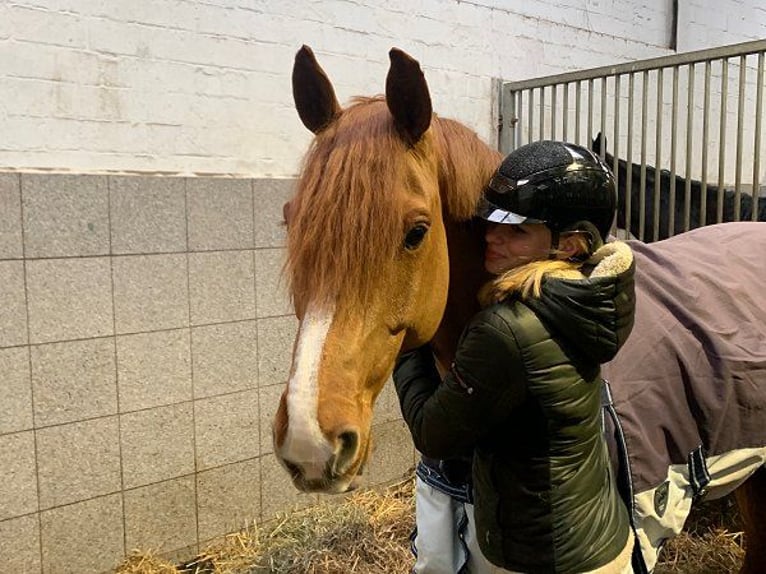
524	392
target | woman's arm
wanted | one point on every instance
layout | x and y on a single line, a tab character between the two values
484	384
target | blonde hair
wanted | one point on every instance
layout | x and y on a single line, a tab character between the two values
527	280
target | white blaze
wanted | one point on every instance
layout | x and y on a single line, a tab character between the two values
304	443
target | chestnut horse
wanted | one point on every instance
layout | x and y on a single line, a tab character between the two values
368	259
383	255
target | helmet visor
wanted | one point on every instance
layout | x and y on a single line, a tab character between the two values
492	213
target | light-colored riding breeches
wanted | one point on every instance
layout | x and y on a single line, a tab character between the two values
446	535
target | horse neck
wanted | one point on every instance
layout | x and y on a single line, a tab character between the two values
466	275
467	163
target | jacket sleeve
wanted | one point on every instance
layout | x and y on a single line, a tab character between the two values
485	382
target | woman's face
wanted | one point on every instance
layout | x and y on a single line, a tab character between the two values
510	246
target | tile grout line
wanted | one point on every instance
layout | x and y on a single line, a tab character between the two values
191	365
130	489
31	378
107	416
259	517
139	254
146	332
149	254
116	367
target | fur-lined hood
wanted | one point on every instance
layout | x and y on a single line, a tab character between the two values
594	312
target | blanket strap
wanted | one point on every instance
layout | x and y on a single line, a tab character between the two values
699	477
624	476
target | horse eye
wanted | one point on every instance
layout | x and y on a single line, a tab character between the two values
415	236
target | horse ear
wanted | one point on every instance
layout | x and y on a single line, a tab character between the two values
313	93
407	96
599	143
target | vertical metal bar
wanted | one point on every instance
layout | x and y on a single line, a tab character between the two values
616	130
578	108
658	156
673	155
603	113
740	129
757	143
507	126
629	153
590	108
705	136
565	133
554	111
689	145
542	113
518	126
531	114
722	136
642	193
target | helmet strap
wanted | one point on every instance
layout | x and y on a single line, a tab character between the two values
592	237
554	243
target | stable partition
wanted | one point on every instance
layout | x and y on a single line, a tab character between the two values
688	126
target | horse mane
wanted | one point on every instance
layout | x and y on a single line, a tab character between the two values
346	222
467	163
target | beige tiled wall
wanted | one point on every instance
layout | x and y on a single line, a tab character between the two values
145	337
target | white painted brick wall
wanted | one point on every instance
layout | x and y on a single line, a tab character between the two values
719	23
196	86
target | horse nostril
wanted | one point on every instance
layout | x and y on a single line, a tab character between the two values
348	440
348	444
293	469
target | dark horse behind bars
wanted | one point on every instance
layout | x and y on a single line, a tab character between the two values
383	255
727	200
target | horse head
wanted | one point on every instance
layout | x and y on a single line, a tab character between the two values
367	260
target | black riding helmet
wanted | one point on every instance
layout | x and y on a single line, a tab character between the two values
563	185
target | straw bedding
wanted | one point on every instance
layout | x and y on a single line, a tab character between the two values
368	533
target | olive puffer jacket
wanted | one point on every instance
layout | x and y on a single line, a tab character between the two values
524	396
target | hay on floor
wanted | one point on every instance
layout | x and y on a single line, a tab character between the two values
369	532
711	543
366	534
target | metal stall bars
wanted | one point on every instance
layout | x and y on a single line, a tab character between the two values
641	107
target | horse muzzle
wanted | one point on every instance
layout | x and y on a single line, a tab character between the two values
323	464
